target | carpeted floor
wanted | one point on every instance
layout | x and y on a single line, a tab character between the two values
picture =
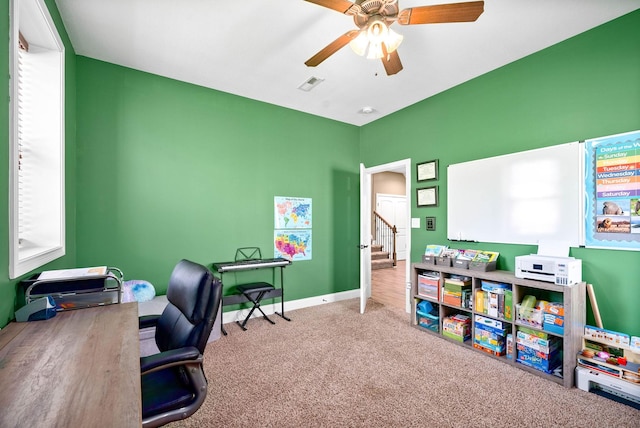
332	367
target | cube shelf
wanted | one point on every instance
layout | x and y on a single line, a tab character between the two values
493	301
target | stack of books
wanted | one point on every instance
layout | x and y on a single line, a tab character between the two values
457	291
490	335
538	350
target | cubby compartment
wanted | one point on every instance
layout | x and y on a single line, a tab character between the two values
490	335
457	291
427	315
494	299
456	324
533	325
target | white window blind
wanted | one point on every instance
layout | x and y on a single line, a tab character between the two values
37	231
39	154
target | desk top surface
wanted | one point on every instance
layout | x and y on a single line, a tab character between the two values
75	369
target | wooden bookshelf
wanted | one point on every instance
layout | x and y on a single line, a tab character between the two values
572	297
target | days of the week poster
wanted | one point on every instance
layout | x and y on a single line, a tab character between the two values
612	170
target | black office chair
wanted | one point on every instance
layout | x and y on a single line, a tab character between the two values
174	385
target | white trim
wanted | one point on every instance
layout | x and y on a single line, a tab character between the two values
239	315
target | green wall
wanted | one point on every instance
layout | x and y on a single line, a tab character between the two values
169	170
8	301
585	87
165	170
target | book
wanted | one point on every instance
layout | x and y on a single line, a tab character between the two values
434	250
450	252
73	273
485	256
466	254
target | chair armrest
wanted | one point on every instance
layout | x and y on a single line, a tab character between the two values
174	357
146	321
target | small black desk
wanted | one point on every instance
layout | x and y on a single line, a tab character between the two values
253	264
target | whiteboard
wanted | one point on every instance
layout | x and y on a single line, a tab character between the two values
519	198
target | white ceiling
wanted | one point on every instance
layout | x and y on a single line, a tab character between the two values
257	48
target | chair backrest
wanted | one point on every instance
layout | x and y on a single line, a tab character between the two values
193	296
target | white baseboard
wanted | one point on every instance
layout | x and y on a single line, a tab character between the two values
240	315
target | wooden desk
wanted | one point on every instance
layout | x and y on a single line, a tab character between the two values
78	369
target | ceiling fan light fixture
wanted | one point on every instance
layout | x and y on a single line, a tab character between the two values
393	40
370	39
375	51
360	43
377	31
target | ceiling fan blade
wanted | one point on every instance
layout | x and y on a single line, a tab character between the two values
341	6
331	48
442	13
391	61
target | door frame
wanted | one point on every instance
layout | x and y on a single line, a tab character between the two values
403	167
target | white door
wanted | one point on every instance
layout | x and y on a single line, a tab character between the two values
403	166
393	208
365	237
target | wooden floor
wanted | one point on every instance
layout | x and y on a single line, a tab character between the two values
388	285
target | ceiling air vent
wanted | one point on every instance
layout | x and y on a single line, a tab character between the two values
310	83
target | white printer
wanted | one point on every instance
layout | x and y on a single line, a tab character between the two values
556	269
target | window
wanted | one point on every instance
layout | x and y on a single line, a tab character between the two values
36	153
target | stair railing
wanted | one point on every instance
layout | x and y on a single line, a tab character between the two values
386	235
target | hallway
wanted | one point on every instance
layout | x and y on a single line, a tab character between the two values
388	285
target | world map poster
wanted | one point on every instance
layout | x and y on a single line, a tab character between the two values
293	222
612	169
292	213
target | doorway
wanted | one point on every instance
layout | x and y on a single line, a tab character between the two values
393	208
401	277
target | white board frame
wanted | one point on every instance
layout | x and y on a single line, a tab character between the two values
519	198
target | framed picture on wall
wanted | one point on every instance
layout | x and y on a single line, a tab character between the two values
427	170
427	196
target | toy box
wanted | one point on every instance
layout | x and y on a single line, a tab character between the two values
457	327
553	323
536	343
479	319
538	360
510	346
554	308
534	332
491	338
489	350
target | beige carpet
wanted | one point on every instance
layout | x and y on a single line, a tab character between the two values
332	367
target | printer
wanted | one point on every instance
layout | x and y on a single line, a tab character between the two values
556	269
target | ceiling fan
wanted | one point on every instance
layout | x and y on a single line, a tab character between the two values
373	19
